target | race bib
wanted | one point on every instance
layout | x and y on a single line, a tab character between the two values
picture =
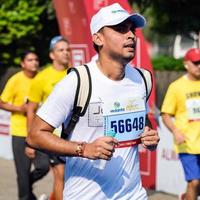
124	120
193	109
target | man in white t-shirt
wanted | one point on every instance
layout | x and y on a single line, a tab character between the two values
101	166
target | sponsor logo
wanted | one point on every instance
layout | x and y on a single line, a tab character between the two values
117	11
132	106
117	108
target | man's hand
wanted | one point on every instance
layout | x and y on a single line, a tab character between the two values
101	148
30	152
178	137
150	138
22	109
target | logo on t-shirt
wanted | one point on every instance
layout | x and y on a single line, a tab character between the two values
95	112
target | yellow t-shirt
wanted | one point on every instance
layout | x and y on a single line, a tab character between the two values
183	101
44	83
16	93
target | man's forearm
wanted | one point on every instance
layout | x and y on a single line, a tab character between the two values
31	110
10	107
41	137
52	144
167	119
30	118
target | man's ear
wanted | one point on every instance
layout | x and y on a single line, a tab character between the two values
185	64
51	55
97	39
22	64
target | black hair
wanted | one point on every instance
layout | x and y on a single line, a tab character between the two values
96	47
25	53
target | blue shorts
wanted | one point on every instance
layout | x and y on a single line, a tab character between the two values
191	165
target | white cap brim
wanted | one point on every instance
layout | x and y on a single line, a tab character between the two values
113	15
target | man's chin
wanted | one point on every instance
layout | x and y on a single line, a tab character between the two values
198	77
65	63
129	57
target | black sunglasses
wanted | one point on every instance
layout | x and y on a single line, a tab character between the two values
196	62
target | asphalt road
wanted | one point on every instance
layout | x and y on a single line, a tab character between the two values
8	189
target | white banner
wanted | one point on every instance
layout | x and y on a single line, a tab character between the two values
5	138
170	175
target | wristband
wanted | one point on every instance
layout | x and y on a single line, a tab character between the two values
80	148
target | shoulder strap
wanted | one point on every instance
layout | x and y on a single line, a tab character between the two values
82	98
148	80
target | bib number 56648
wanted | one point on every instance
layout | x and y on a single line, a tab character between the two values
128	125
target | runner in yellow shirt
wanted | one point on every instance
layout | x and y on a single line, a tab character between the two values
14	99
41	87
182	101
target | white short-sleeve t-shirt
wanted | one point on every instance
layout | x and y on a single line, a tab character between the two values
116	106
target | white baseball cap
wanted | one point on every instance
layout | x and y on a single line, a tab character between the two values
112	15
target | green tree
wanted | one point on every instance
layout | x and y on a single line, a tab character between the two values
170	17
25	25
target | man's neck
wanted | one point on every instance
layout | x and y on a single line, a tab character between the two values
59	67
30	74
191	77
110	68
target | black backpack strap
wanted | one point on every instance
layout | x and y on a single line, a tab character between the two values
148	80
82	98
